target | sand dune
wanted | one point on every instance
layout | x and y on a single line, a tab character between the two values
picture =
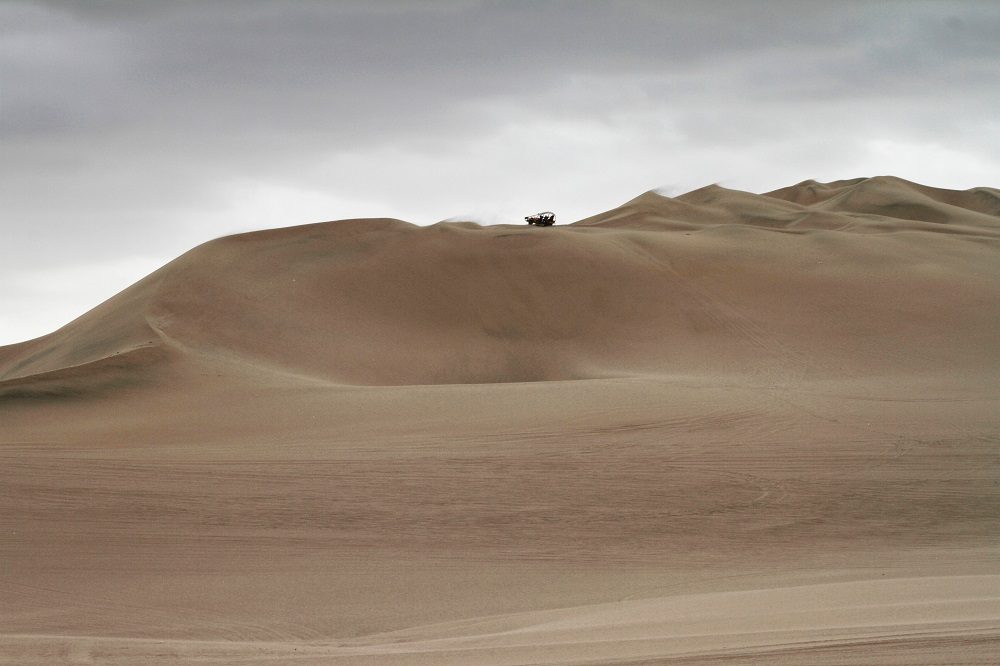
377	302
717	428
918	620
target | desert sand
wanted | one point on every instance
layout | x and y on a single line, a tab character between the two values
717	428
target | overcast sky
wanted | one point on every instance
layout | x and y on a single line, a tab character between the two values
133	130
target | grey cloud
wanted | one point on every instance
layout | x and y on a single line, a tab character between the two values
353	76
256	64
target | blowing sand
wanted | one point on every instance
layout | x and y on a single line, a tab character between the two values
718	428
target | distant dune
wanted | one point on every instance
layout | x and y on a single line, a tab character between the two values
716	428
842	279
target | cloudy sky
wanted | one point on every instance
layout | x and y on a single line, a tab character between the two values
132	130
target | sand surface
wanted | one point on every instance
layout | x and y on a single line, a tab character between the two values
717	428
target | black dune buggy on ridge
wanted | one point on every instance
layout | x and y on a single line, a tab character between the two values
546	219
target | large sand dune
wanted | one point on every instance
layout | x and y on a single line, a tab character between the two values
717	428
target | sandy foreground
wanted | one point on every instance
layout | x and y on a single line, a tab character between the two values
718	428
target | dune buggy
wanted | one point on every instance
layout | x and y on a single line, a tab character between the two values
546	219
